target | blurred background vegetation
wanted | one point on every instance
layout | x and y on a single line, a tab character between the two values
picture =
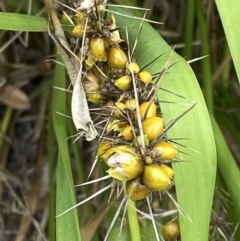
28	150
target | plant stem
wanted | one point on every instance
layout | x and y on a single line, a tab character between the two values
133	221
188	37
206	63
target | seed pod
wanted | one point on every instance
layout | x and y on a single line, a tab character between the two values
157	177
138	141
78	18
136	191
133	68
96	98
98	48
114	36
116	58
102	149
124	82
113	125
165	150
91	83
125	149
148	160
127	133
130	104
168	170
118	109
145	77
109	151
153	127
171	231
147	110
124	166
79	30
89	62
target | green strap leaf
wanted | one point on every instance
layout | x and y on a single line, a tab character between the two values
228	167
67	225
230	15
22	22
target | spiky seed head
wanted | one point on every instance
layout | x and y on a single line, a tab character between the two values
153	127
136	191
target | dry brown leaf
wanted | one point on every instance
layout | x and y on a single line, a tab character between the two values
14	97
80	112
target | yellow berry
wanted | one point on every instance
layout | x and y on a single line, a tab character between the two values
124	166
130	104
153	127
96	98
105	150
113	125
79	16
133	68
136	191
127	133
157	177
79	30
102	148
118	109
116	58
171	231
165	150
98	48
124	82
147	110
145	77
138	141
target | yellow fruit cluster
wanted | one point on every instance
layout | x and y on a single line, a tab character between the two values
133	143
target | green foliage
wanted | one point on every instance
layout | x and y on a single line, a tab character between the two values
67	225
230	15
194	178
22	22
